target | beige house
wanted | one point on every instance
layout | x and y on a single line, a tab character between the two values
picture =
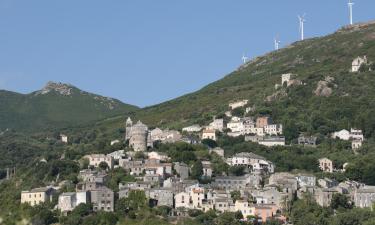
37	196
209	134
326	165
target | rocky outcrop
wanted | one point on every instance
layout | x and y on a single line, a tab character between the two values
62	89
323	88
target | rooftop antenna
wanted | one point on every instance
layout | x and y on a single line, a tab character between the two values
350	4
277	43
301	25
244	58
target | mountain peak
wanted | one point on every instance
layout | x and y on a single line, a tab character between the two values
61	88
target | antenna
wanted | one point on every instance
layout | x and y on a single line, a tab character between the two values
244	58
301	25
350	4
277	43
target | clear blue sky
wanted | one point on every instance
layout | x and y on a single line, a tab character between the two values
145	52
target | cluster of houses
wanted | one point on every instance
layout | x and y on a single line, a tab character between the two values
261	193
354	135
261	130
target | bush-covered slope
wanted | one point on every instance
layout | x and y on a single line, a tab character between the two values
351	103
56	105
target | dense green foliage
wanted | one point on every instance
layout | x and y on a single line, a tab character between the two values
34	111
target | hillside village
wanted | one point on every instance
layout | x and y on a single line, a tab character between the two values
271	143
253	188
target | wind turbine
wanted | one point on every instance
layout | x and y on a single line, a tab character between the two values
301	25
244	58
350	4
277	43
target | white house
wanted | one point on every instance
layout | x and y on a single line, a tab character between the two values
285	78
273	129
346	135
356	144
64	138
272	141
342	134
193	128
358	62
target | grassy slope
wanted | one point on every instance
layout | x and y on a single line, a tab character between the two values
32	112
311	60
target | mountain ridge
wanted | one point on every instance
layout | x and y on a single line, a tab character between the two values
56	105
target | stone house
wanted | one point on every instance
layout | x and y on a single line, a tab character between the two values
96	159
207	169
305	180
163	196
102	199
94	176
364	197
323	196
37	196
217	125
327	183
326	165
237	182
182	170
158	156
117	155
307	140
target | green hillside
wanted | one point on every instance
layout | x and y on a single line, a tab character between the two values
56	105
351	103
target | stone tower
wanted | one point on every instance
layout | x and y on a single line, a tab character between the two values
138	137
128	128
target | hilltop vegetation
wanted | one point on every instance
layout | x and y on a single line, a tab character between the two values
300	110
56	105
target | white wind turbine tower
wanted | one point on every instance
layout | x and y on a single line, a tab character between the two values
301	26
244	58
350	4
277	43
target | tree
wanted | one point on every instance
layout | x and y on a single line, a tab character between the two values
237	170
340	201
235	195
103	165
135	201
197	170
210	143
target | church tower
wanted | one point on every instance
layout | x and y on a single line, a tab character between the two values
128	128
